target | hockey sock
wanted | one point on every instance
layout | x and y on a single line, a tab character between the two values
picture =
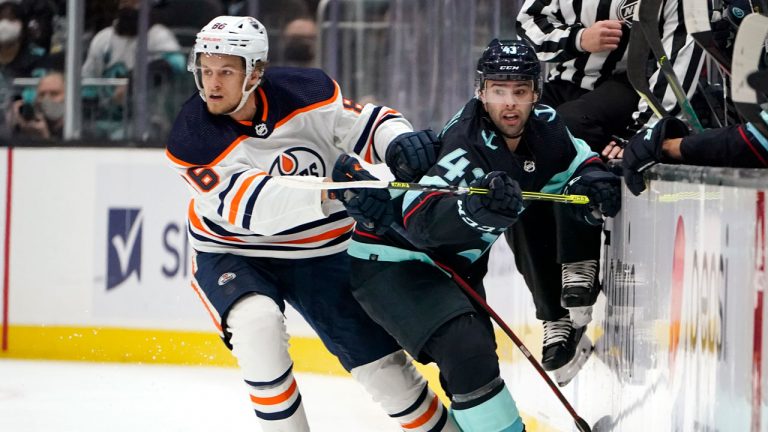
396	385
278	404
260	344
488	409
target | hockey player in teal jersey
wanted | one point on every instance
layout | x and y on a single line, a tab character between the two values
502	141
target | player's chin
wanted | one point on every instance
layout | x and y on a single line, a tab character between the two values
218	108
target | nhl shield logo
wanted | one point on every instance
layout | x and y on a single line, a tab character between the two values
625	10
529	166
261	129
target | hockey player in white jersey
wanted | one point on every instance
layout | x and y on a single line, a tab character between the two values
259	244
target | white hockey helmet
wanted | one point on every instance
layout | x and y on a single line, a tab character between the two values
240	36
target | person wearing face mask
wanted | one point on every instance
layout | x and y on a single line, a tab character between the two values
299	40
18	57
112	52
44	119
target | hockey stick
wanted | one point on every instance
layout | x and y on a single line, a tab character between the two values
581	424
637	61
648	21
750	42
309	183
698	25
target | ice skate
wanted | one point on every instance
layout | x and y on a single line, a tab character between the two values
566	349
579	290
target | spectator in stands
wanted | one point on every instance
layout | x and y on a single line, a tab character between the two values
41	15
18	56
299	43
43	119
112	53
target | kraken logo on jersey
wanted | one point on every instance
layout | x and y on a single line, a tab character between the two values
625	10
298	161
123	245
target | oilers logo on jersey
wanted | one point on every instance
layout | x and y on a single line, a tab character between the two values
298	161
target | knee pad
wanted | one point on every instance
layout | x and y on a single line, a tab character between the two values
259	338
490	408
469	365
395	384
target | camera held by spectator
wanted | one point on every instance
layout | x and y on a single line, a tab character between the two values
45	117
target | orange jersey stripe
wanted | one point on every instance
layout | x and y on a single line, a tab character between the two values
205	304
311	107
239	196
324	236
197	223
263	98
215	161
422	419
274	400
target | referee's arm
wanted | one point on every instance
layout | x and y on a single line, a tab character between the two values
552	31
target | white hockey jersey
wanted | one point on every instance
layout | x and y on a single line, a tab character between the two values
302	124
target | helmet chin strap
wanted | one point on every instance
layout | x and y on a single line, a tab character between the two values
246	94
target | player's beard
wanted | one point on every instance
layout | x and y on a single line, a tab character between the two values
511	131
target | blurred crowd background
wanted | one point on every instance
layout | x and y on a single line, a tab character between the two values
126	59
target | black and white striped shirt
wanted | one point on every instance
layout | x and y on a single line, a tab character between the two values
554	29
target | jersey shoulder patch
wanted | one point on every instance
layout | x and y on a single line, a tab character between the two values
199	137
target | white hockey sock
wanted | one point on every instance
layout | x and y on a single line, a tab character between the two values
260	344
396	385
278	405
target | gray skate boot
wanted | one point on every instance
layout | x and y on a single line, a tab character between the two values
565	350
579	290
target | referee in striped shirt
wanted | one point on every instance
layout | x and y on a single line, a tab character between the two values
586	43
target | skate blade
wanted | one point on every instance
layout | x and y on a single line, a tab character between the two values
566	373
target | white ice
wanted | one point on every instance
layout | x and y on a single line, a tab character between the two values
48	396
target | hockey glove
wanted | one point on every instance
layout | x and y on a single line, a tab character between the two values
604	191
496	210
644	150
370	208
411	154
